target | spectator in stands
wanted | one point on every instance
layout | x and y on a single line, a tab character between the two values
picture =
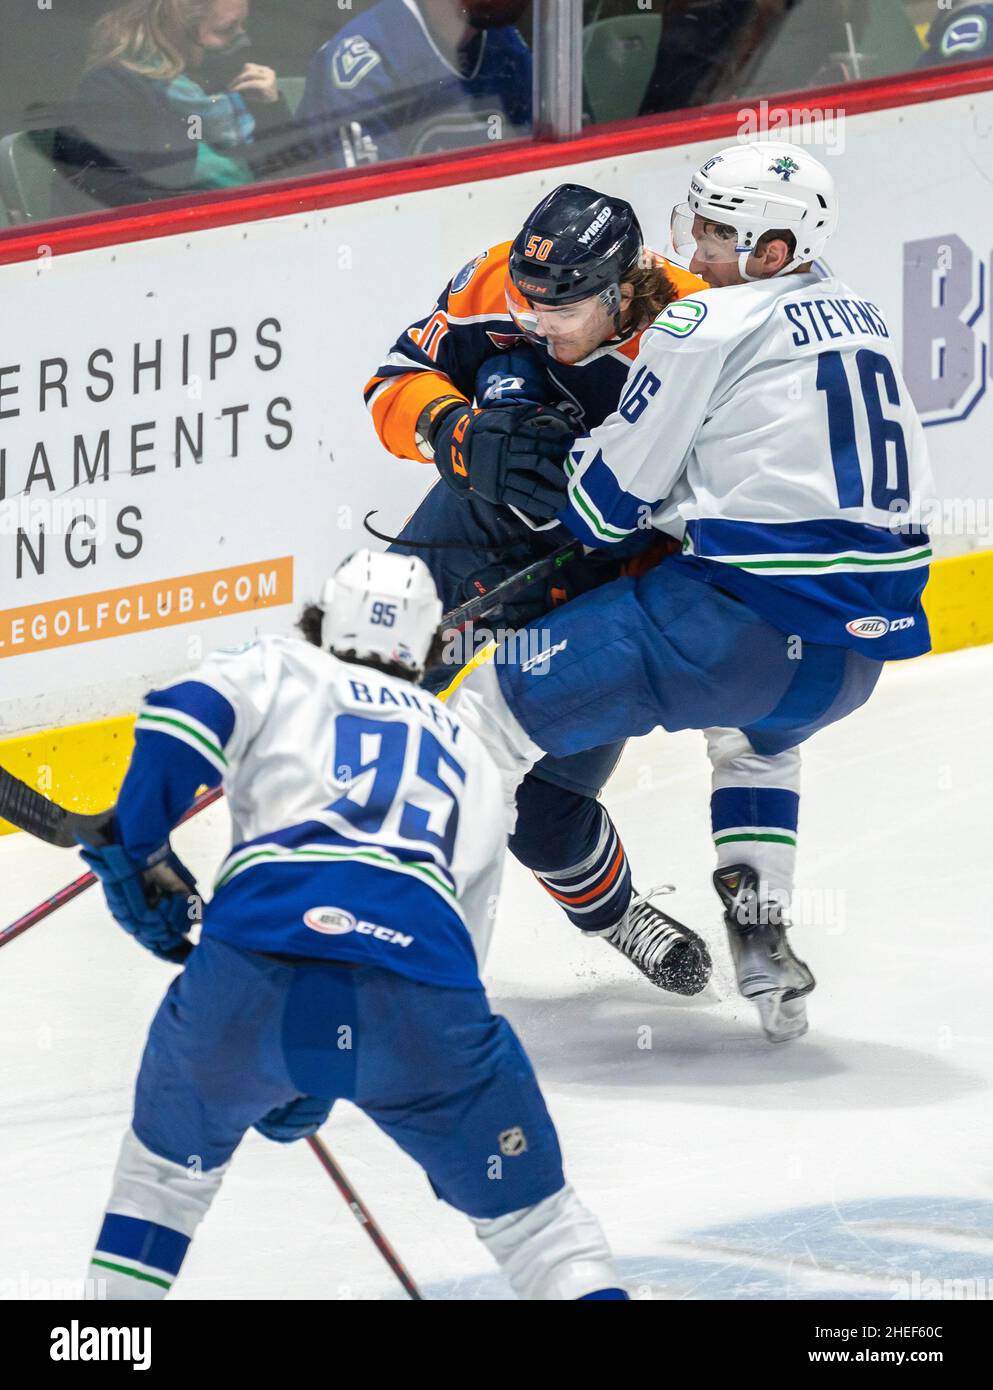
704	44
413	77
169	103
963	35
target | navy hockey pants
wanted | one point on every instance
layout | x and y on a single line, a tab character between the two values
239	1034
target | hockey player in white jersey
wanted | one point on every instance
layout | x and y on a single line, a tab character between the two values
770	423
339	956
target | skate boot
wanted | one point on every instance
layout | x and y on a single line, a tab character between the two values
769	974
668	954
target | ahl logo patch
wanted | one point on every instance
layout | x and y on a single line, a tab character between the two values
329	921
878	627
682	318
353	59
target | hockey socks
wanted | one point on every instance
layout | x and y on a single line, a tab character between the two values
155	1206
594	893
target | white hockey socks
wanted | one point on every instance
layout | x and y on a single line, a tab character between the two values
155	1206
754	805
554	1250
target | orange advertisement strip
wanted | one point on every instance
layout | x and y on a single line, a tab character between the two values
190	598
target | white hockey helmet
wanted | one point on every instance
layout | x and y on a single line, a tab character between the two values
757	188
382	606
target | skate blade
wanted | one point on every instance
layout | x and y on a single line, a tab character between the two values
782	1019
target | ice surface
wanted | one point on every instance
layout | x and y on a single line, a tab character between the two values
854	1163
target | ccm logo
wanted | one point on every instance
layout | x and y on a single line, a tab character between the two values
877	627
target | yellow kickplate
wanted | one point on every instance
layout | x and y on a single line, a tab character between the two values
81	766
959	601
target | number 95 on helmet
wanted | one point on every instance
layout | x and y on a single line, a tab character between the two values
383	610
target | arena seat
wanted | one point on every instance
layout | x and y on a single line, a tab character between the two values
618	60
27	175
291	89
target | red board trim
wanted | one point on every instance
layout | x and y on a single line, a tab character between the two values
177	216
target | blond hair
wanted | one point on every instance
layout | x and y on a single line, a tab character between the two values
152	37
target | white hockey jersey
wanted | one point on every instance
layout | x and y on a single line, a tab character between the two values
769	423
369	825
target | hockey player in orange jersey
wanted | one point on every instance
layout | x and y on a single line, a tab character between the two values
539	333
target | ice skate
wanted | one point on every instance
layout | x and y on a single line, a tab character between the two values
668	954
768	972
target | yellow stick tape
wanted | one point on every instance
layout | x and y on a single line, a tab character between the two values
82	766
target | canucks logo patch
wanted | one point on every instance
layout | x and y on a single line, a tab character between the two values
682	318
353	59
785	167
966	35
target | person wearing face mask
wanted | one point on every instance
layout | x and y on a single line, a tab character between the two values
415	77
169	104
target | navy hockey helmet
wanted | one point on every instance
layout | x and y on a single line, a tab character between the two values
575	244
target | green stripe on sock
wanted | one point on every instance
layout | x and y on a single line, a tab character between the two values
134	1273
764	839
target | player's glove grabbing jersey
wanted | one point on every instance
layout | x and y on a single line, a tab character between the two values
443	355
368	824
772	420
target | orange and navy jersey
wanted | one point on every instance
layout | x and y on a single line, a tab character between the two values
440	355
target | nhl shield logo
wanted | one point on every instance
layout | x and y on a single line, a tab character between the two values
512	1142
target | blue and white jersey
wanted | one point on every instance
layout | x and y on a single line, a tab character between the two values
382	89
770	425
369	825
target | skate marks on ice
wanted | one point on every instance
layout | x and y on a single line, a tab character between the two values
900	1248
615	1039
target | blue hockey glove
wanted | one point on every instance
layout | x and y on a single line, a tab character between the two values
151	903
512	455
513	378
296	1120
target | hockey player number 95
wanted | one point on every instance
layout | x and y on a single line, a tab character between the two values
371	754
885	435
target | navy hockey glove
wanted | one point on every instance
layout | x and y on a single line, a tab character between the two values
151	903
296	1120
512	455
525	607
512	378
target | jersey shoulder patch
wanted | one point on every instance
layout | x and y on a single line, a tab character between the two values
467	272
478	289
353	59
681	318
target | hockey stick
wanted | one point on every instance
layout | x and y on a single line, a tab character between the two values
364	1217
494	598
46	820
